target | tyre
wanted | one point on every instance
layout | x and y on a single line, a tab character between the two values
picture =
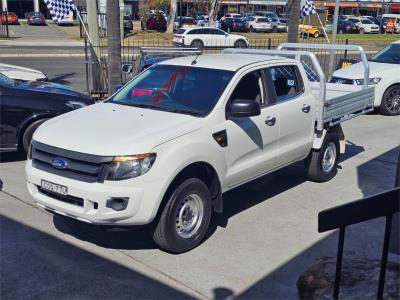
240	44
362	31
27	136
316	34
185	218
321	164
390	105
251	28
274	30
197	44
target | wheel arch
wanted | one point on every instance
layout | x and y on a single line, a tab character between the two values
28	121
203	171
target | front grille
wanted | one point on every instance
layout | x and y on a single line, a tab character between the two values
341	80
68	199
80	166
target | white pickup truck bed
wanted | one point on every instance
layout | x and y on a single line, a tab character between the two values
344	101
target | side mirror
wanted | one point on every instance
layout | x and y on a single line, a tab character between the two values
242	108
117	87
126	68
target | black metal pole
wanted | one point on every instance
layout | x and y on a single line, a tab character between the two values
339	263
180	14
385	251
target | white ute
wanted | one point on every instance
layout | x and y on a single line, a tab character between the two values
164	148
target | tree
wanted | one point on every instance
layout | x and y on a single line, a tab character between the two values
212	13
172	15
294	15
113	44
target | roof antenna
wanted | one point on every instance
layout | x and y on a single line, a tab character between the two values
195	59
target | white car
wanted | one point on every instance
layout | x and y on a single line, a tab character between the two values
258	24
384	75
164	148
22	73
365	25
68	19
231	16
201	37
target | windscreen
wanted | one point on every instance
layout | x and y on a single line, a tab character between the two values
179	89
390	55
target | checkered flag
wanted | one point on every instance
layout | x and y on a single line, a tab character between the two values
59	9
308	8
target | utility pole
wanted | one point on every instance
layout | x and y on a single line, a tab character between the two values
293	23
93	28
113	44
334	31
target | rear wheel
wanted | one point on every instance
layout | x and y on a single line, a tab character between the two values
197	44
390	105
321	164
316	34
185	218
240	44
27	136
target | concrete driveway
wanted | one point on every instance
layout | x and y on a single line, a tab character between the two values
266	237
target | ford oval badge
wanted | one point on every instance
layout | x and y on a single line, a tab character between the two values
59	163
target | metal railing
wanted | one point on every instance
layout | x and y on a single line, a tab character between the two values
4	31
381	205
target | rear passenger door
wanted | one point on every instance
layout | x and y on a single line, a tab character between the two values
296	112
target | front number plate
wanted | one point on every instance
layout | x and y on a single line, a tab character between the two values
55	188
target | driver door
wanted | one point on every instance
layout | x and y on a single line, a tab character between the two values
252	141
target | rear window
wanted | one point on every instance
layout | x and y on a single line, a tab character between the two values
286	82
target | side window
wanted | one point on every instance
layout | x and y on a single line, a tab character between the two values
250	87
286	81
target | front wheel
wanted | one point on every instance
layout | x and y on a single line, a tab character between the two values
321	164
362	31
240	44
316	34
390	105
185	218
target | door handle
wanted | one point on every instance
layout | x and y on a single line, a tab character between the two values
270	121
306	108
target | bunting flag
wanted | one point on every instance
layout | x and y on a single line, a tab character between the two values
59	9
308	8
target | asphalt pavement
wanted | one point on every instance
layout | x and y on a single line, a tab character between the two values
266	237
65	70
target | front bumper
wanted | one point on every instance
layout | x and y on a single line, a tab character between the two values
144	198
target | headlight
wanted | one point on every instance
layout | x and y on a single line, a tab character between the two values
125	167
75	104
371	81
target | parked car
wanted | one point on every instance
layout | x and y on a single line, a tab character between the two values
278	25
329	26
310	30
184	22
128	24
67	20
154	22
25	106
267	14
21	74
233	24
347	27
202	20
164	148
11	18
258	23
373	20
384	72
365	25
201	37
35	18
237	16
393	19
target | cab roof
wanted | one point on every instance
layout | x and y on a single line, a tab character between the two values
229	62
